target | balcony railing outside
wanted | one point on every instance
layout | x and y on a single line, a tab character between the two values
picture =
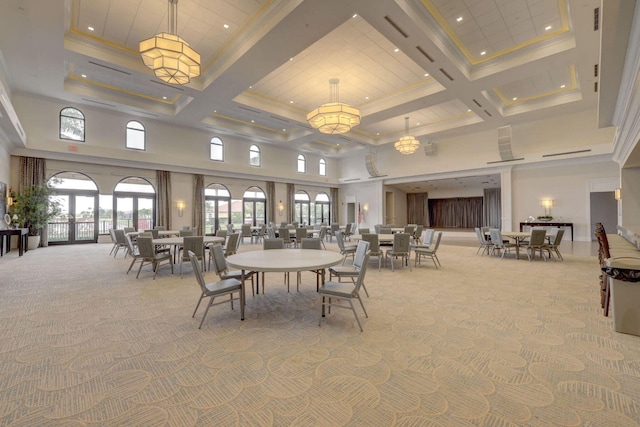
59	231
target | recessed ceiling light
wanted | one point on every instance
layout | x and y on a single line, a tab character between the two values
355	15
290	59
253	121
284	130
90	28
426	74
418	124
84	76
290	102
547	28
251	87
366	97
164	97
378	133
563	86
469	110
226	25
484	52
515	98
396	50
459	19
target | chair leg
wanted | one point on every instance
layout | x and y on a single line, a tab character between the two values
198	305
355	314
205	312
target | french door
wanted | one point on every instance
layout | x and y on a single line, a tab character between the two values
78	219
135	211
217	213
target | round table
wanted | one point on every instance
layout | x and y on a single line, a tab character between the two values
284	260
179	241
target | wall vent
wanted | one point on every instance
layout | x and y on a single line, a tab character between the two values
596	19
565	153
98	102
595	86
426	55
249	109
477	103
446	74
505	161
279	118
398	29
109	68
174	87
488	113
595	70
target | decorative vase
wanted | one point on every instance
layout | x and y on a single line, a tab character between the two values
33	242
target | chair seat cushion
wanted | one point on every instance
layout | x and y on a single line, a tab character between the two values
344	270
338	289
223	286
236	274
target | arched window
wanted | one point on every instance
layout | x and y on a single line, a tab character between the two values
302	164
322	167
71	124
217	149
135	135
322	209
217	207
254	156
302	207
79	218
254	203
134	201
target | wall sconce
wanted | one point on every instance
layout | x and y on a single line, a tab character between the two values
280	208
9	198
547	203
366	207
181	206
618	193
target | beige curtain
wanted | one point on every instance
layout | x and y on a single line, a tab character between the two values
456	212
271	201
291	203
198	204
163	198
33	172
418	208
492	207
334	205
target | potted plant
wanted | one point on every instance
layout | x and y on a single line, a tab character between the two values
34	209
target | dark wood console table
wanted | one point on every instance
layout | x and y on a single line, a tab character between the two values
5	236
547	224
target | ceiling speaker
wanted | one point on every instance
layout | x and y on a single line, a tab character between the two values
430	149
370	162
504	143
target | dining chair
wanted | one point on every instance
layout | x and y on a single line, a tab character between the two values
552	246
333	229
283	233
129	230
429	252
345	250
417	234
322	235
314	244
160	227
485	244
121	241
229	228
223	272
222	233
536	243
246	232
498	243
352	271
150	256
400	248
348	231
374	247
231	247
268	244
344	291
363	230
133	251
195	245
213	290
113	240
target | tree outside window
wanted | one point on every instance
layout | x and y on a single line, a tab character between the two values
254	156
71	124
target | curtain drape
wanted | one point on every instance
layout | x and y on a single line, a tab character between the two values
291	203
418	208
33	172
163	198
457	212
271	201
493	208
198	205
334	205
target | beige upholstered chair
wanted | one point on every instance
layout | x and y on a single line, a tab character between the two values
283	233
133	251
268	244
374	247
121	242
537	242
345	250
310	243
195	245
301	233
552	247
246	233
429	252
485	244
344	291
223	272
400	249
150	256
352	271
216	289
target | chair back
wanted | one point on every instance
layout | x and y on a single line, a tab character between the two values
229	228
323	232
145	247
409	229
113	235
120	237
246	230
417	233
361	251
374	243
154	233
221	233
558	237
232	244
283	224
361	272
347	229
385	230
496	237
435	247
310	243
376	228
130	247
193	244
160	227
335	228
129	230
295	224
219	261
401	242
301	233
272	244
537	237
186	227
340	240
480	236
185	233
427	236
283	233
271	233
364	230
196	269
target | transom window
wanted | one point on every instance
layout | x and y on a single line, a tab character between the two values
71	124
254	156
302	164
135	135
322	167
217	149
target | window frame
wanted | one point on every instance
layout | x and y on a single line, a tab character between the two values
144	135
255	149
322	167
302	161
82	118
218	142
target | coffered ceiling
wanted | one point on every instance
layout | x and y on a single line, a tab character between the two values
451	66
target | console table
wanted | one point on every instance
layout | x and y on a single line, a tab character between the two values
5	236
548	224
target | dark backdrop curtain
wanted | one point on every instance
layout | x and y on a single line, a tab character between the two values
457	212
291	203
334	205
418	208
493	208
271	201
163	198
198	205
33	172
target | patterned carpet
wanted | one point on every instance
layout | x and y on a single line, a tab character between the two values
479	342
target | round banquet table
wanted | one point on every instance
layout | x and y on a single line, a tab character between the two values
284	260
179	241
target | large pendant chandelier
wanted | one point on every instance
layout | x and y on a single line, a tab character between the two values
407	144
168	55
334	117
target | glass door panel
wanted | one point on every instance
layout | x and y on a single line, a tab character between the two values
58	227
145	214
124	212
83	221
223	213
249	212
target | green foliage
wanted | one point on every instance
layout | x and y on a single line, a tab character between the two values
545	217
35	207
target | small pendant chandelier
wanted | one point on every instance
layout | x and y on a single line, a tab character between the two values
334	117
168	55
407	144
